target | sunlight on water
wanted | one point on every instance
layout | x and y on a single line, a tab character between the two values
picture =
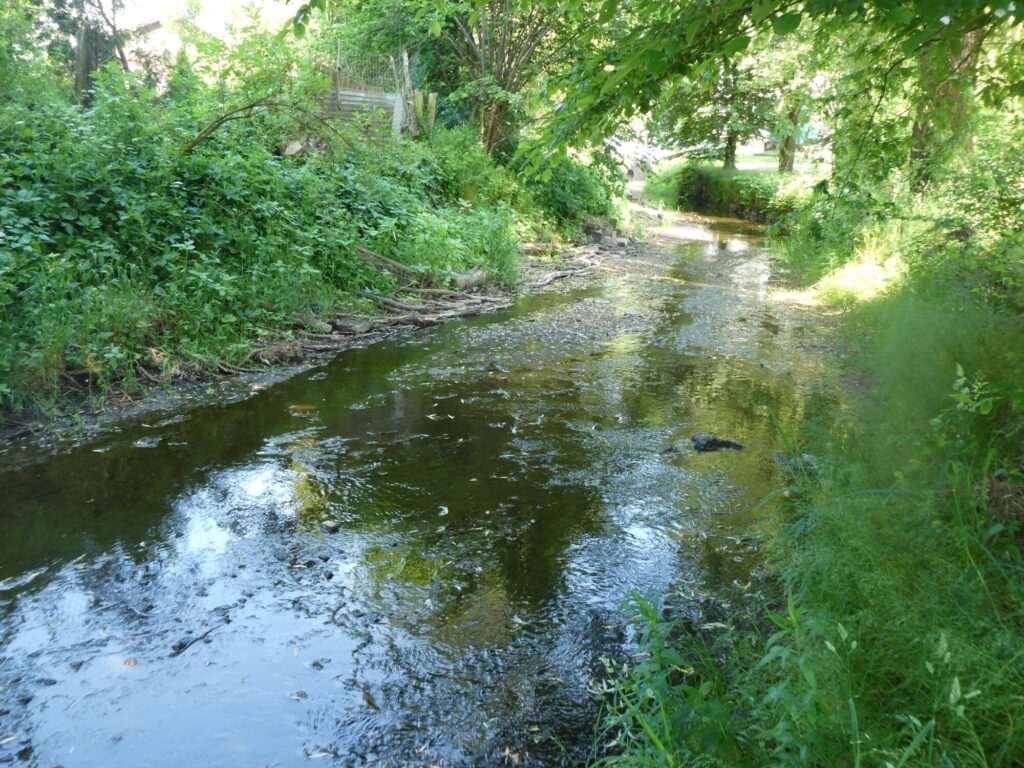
416	554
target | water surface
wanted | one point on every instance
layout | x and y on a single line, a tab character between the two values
169	596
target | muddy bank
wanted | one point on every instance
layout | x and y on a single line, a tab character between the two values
312	344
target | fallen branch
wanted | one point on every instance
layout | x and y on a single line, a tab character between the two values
324	347
146	374
239	113
245	111
553	276
390	303
474	278
389	265
234	370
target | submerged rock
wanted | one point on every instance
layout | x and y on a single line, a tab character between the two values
804	463
706	442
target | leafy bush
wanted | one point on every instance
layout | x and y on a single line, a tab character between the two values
121	254
572	192
757	194
467	173
445	242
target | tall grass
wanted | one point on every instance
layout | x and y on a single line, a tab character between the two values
896	637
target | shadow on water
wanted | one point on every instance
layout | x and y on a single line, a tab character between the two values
169	594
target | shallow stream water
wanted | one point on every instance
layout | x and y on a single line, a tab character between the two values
169	596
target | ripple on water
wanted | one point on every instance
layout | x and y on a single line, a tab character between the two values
498	488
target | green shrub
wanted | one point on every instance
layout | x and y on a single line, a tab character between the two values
113	241
446	242
574	192
757	194
466	172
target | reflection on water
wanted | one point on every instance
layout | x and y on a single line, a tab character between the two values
169	595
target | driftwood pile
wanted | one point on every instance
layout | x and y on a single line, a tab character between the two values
417	303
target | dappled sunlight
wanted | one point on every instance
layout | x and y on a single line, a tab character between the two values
857	281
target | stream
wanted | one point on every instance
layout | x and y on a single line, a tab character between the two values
416	554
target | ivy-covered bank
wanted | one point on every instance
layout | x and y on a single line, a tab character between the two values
128	256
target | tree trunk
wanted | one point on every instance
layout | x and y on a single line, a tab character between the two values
943	116
787	147
87	57
787	154
729	162
492	124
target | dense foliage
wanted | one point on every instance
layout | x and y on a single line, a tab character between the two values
756	194
896	625
128	249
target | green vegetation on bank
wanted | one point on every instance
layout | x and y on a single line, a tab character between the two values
127	254
895	636
756	193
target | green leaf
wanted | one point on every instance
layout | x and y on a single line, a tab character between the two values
736	45
761	10
658	66
694	28
915	41
787	23
607	11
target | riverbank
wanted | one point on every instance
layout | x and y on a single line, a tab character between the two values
892	627
131	262
757	193
543	267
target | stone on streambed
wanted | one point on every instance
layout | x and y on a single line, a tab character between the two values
705	442
330	526
802	464
352	327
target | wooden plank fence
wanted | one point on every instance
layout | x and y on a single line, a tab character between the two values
402	108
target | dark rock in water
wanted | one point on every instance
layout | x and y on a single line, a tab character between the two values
705	442
804	463
330	526
668	449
